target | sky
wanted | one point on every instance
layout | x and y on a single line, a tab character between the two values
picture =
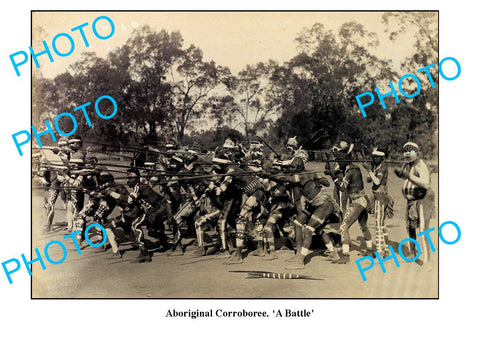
232	39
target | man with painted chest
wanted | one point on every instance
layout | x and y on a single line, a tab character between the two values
415	189
352	183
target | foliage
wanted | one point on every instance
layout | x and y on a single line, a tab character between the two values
417	119
317	87
163	89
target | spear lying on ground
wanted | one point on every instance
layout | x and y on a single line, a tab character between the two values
255	274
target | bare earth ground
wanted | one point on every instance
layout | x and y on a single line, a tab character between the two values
92	275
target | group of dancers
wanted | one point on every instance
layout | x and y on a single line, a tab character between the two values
236	201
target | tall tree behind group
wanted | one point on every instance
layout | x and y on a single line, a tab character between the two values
192	81
316	89
250	90
417	118
159	87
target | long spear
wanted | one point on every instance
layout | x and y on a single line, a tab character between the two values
268	145
255	274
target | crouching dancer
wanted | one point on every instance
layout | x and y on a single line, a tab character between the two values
113	195
253	193
319	210
156	212
99	206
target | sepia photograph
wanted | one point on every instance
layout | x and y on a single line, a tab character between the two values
234	154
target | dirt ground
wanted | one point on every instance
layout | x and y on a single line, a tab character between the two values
92	275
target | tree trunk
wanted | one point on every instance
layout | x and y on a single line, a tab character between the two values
152	133
181	133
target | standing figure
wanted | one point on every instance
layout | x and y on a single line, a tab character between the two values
382	201
352	185
191	190
224	161
292	163
76	198
336	170
283	203
415	187
49	178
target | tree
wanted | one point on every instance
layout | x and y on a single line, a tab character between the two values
147	57
316	89
422	110
135	75
250	91
193	80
